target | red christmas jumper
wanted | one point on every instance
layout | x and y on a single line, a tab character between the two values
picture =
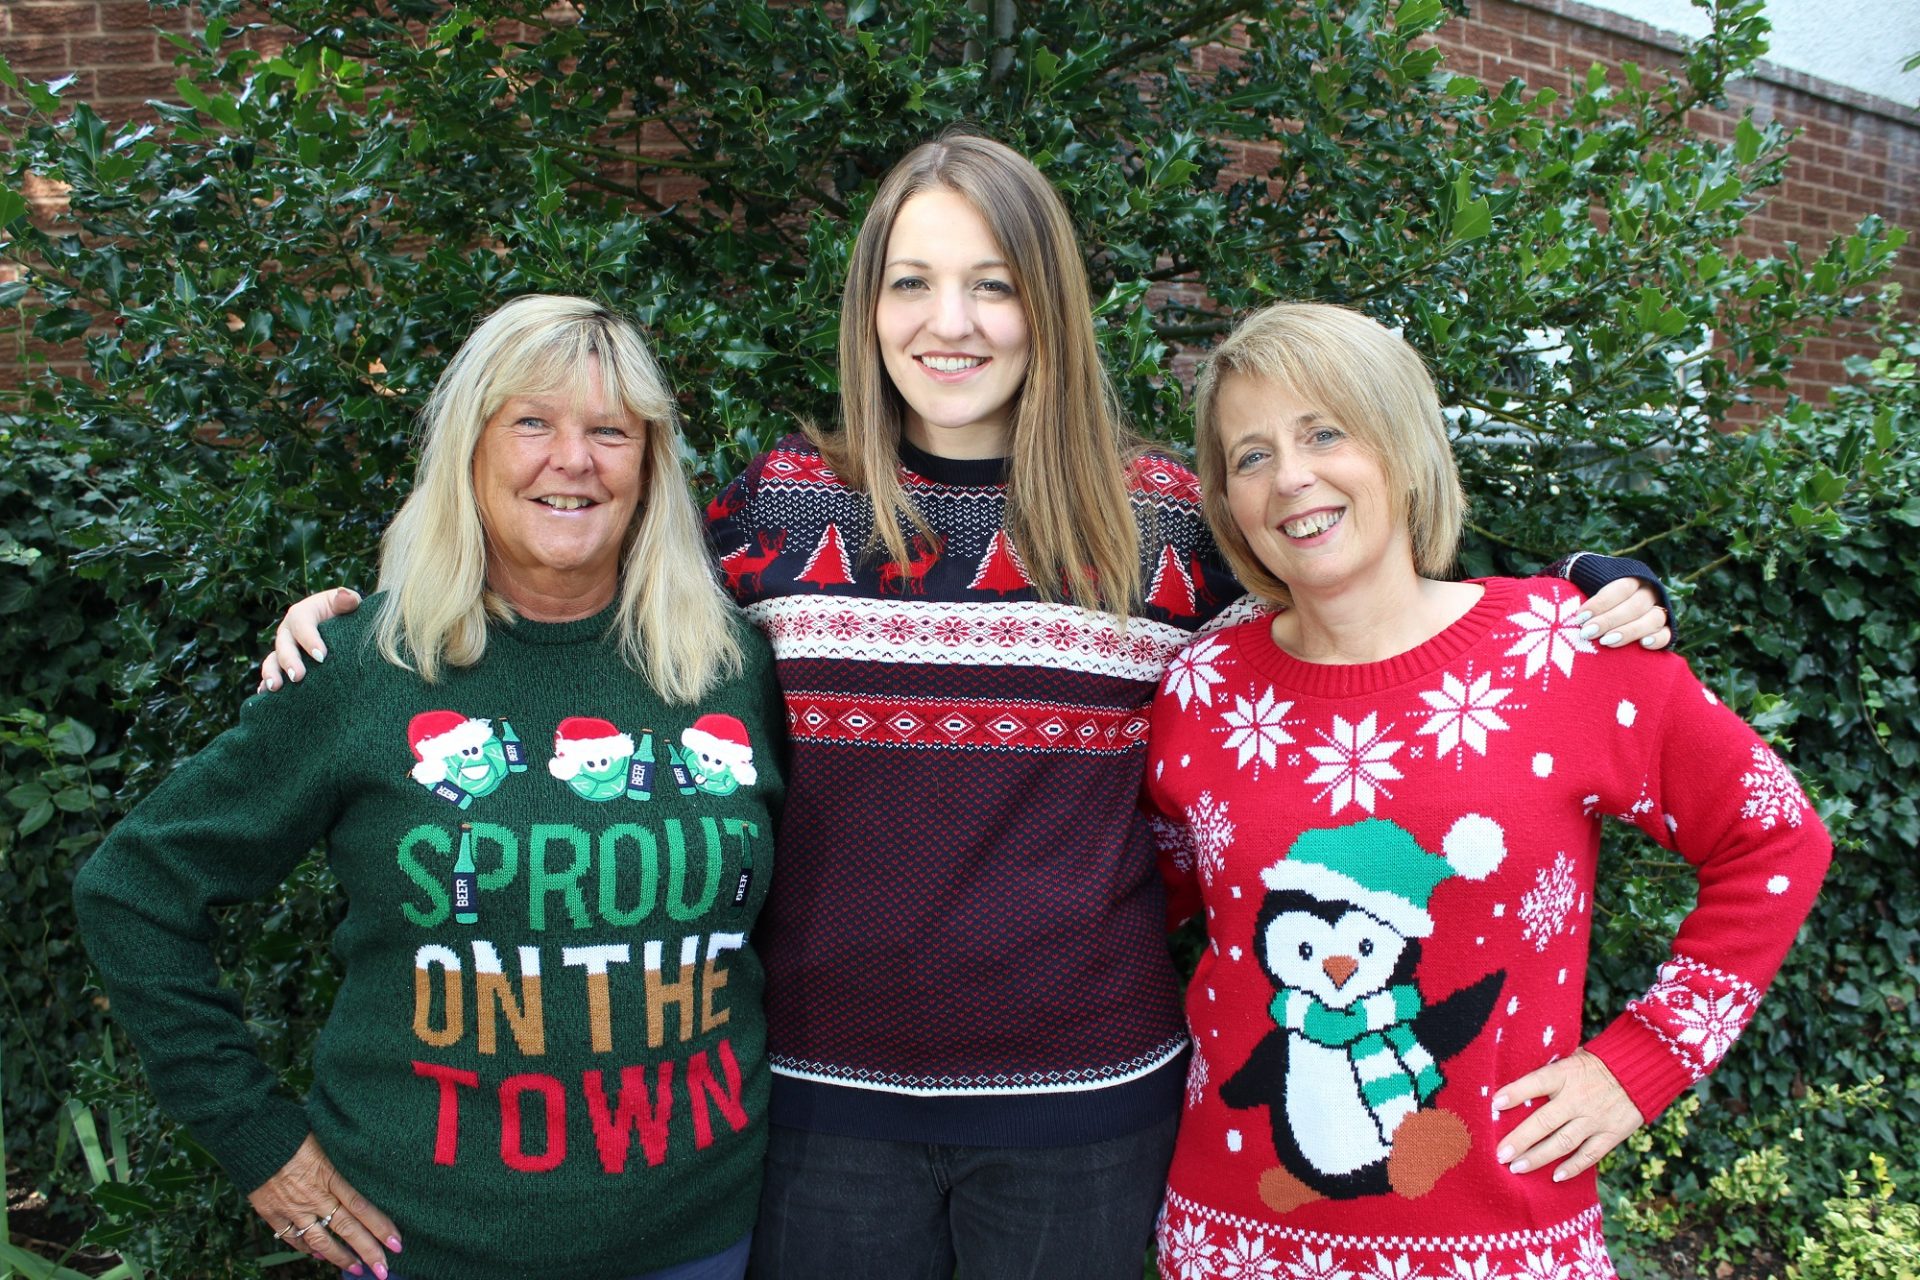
966	944
1396	861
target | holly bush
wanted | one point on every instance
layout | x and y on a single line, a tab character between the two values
263	279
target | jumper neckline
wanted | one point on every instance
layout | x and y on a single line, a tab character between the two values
578	631
1335	680
955	471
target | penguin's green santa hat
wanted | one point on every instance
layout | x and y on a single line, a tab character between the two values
1377	866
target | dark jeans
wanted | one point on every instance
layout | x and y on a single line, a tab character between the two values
728	1264
839	1208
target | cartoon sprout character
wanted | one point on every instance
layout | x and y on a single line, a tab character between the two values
456	757
591	756
719	755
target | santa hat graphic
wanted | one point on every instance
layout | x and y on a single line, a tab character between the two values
1377	866
435	735
579	739
725	739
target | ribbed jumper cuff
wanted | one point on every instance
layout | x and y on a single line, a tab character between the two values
1643	1064
255	1147
1590	571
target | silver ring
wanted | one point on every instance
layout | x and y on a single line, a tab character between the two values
284	1232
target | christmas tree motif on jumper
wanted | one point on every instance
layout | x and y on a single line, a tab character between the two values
456	757
1198	576
743	564
1000	569
591	756
1171	588
827	566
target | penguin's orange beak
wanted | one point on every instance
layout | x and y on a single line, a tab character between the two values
1339	968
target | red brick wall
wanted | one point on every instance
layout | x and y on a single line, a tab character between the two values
1853	156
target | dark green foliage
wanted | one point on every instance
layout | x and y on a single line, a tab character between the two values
270	276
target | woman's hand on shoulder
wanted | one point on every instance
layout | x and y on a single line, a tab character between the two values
299	630
1623	611
1586	1115
311	1207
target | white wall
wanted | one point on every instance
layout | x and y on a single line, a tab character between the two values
1857	43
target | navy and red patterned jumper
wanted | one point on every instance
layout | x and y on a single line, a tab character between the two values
967	942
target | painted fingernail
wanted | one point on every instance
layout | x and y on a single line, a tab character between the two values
1500	1102
380	1270
1583	616
1589	631
356	1270
1561	1175
320	653
1648	642
273	684
1519	1166
393	1243
1612	639
1504	1154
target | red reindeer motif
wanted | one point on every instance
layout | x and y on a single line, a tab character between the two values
741	564
916	570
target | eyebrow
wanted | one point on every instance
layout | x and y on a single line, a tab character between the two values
1306	419
924	266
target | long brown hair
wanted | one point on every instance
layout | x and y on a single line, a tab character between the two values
1067	507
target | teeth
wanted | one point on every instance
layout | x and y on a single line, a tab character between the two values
1307	526
952	364
563	503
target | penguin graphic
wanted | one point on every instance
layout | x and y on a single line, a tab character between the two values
1350	1068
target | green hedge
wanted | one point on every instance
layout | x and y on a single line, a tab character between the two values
266	279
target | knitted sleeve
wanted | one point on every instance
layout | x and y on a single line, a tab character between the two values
225	827
1590	571
1711	789
730	522
1172	829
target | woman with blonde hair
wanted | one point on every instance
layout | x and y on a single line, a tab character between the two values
549	1014
971	589
1386	800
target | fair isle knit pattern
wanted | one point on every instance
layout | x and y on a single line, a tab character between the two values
546	1056
966	944
1432	822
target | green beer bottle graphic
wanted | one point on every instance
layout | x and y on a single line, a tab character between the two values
682	776
640	769
510	743
466	888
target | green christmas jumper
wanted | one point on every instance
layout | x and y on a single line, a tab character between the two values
547	1053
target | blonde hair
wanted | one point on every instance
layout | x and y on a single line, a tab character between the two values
1067	506
1374	385
675	624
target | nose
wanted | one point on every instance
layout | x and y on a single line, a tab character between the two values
1291	472
1339	968
570	452
952	315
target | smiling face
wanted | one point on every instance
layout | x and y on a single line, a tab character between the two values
952	328
479	768
602	778
1315	506
558	479
1338	962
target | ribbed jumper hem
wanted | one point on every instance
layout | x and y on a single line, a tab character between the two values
1025	1120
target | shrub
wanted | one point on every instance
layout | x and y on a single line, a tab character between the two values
266	278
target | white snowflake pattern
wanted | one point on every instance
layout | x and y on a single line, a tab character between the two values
1463	712
1477	1269
1773	794
1316	1266
1354	763
1594	1262
1542	1266
1173	839
1258	729
1192	674
1211	833
1703	1021
1386	1268
1188	1250
1548	633
1248	1258
1196	1080
1544	908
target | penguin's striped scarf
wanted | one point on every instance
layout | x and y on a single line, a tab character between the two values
1395	1072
